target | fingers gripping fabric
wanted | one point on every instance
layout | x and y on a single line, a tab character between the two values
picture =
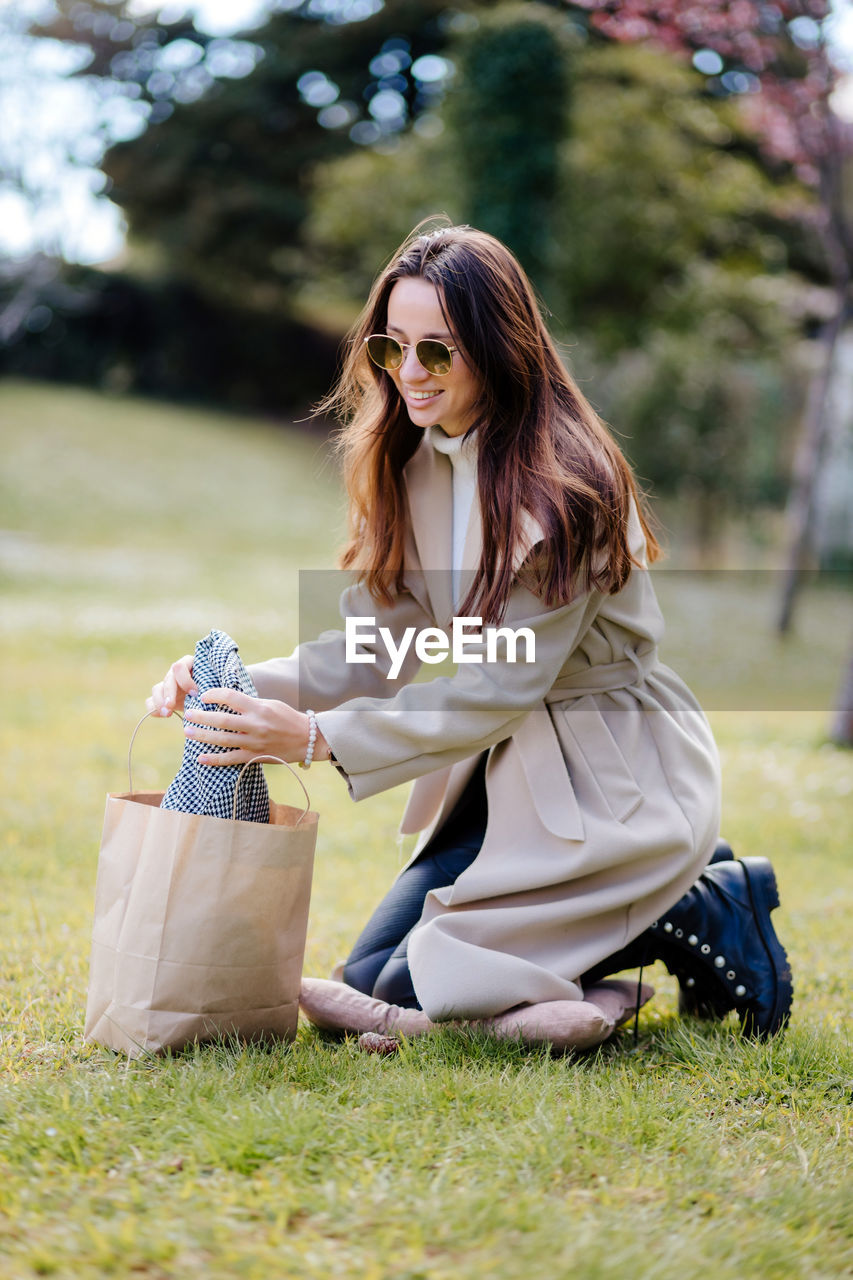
197	788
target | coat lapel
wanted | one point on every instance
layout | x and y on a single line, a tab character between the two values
429	485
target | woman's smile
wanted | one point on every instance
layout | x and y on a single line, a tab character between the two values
419	397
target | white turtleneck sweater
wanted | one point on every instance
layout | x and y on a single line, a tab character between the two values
462	452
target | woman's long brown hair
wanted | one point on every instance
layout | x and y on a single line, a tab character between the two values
541	446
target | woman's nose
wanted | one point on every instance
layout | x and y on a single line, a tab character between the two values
411	367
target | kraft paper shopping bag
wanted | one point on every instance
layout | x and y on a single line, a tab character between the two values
200	924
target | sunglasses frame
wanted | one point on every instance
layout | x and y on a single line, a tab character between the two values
404	347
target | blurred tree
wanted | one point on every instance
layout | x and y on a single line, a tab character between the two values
772	58
777	60
675	285
664	177
214	189
363	205
660	182
701	423
492	158
509	118
220	135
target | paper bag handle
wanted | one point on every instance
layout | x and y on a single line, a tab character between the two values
254	760
147	715
278	760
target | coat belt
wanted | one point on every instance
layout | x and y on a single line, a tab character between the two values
545	768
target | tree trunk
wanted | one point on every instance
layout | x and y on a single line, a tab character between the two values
13	317
813	434
842	724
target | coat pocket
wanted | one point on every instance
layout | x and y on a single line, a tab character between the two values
589	737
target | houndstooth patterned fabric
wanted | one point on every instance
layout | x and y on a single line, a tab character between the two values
200	788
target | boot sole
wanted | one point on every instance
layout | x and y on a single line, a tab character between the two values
764	896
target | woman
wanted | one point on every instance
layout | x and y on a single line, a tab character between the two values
569	805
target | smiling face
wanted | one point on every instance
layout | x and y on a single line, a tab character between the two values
414	312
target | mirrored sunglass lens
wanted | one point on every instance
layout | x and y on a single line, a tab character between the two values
386	352
434	356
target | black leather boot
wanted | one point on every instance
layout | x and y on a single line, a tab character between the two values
718	940
720	935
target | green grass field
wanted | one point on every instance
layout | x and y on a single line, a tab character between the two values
129	528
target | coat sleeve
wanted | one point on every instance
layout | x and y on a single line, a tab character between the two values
422	727
317	674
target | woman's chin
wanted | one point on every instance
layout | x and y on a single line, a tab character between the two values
423	422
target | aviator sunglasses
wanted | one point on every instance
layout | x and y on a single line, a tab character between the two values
436	357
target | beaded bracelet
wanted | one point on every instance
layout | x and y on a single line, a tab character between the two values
312	738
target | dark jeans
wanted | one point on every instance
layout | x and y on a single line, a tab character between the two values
378	964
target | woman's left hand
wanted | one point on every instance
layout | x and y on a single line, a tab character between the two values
250	727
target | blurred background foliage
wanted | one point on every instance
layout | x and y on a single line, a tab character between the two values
680	260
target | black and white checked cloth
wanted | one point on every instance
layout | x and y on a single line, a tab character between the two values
200	788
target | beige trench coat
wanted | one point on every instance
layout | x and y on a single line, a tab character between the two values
602	780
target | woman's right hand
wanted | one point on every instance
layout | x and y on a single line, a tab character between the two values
169	694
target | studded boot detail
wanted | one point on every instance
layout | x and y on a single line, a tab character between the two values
696	999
